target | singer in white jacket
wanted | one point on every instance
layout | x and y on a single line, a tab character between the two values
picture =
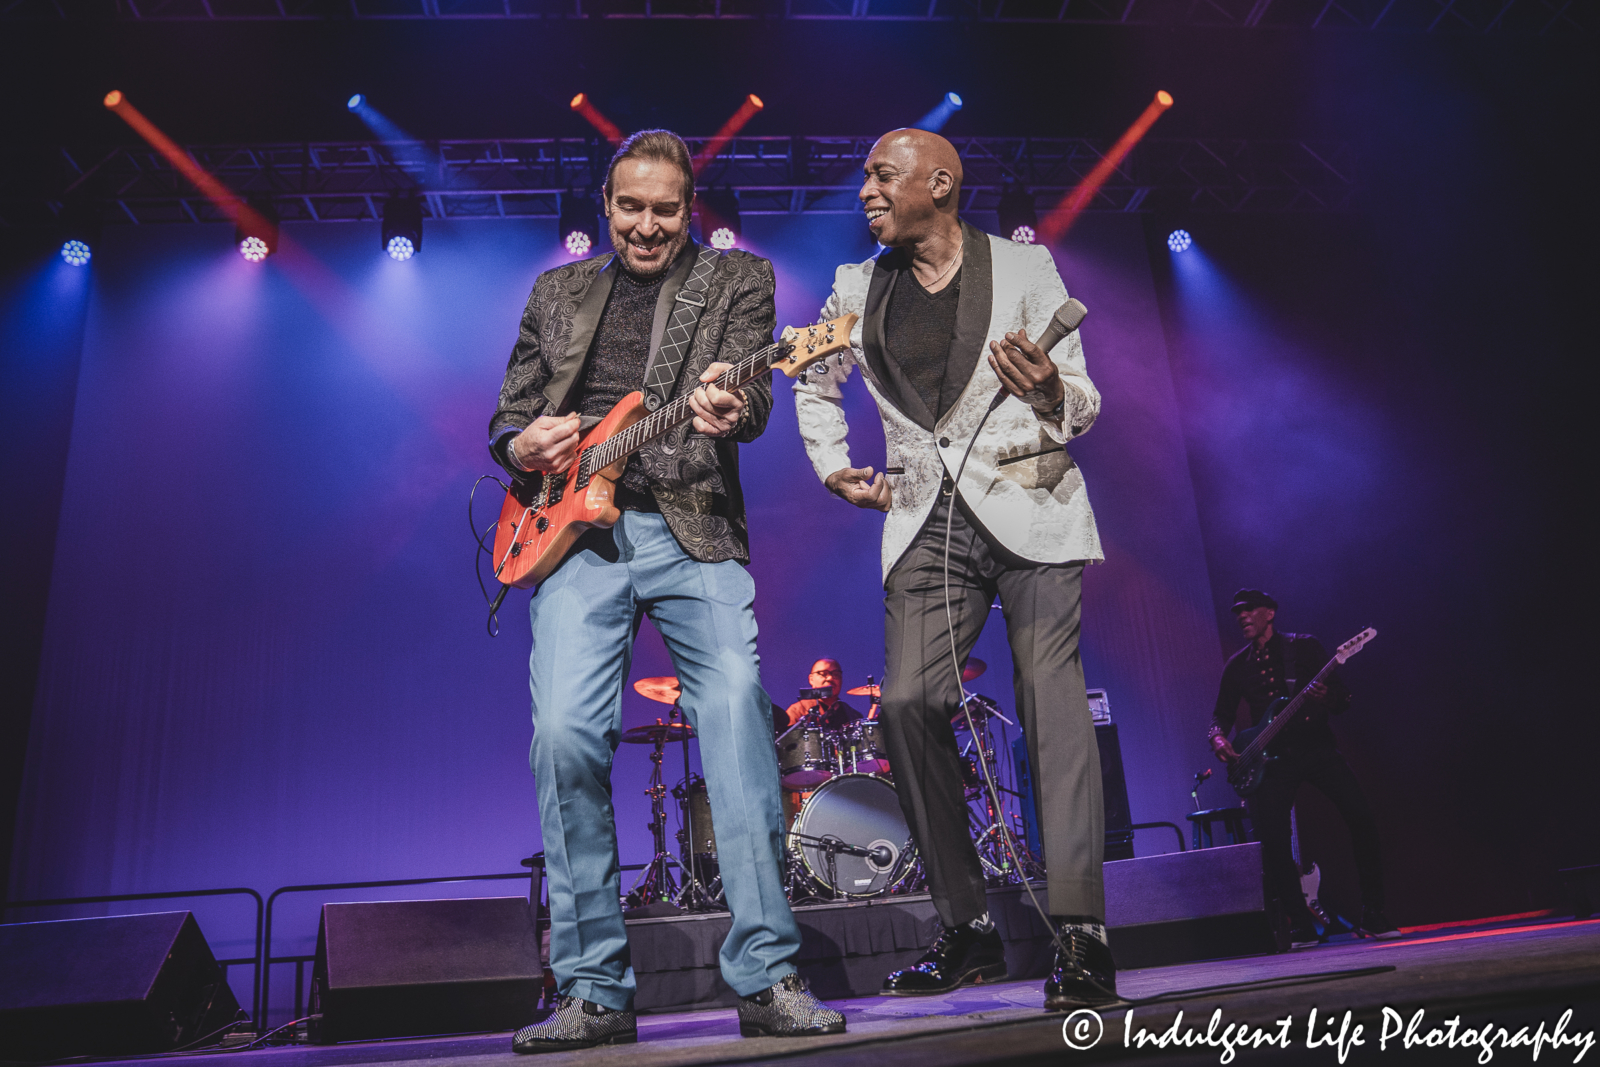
947	313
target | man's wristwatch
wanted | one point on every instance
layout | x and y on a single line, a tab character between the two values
511	455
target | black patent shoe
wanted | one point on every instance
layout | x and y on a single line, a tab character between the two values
577	1024
787	1009
1376	925
1084	975
961	956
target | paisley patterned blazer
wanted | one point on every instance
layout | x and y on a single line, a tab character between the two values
1019	481
696	478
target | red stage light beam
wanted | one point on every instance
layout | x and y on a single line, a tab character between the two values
735	123
1055	225
226	199
607	128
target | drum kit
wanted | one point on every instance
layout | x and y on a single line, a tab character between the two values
847	838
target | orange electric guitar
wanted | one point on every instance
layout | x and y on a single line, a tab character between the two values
538	526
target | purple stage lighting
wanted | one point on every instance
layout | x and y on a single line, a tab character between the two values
355	102
1179	240
75	252
254	249
578	229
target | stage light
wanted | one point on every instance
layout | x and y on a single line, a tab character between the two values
585	107
719	218
1179	240
1061	218
78	229
402	227
934	120
1019	221
578	229
355	102
256	231
746	112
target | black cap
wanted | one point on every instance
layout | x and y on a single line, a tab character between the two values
1248	599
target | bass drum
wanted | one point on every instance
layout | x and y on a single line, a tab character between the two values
854	809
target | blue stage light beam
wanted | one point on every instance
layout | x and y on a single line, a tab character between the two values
1179	240
380	124
934	120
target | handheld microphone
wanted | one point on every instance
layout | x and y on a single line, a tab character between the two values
1068	317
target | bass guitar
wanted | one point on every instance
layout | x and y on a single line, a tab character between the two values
1247	772
542	518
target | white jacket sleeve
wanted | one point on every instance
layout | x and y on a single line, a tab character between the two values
818	406
1045	294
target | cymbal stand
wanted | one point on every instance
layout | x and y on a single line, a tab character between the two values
988	826
693	896
655	883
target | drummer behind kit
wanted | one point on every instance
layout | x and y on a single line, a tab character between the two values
847	838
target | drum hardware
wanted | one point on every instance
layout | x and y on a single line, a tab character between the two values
697	845
980	760
656	879
655	883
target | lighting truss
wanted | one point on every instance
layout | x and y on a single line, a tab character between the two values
773	175
1543	17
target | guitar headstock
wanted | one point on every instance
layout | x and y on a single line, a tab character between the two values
807	344
1355	644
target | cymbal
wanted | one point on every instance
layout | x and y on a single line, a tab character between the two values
865	691
657	731
972	668
663	690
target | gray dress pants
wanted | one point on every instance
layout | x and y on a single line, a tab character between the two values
1040	603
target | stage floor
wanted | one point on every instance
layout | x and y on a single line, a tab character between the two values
1514	974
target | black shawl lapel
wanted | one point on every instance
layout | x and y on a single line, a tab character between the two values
584	323
974	306
883	369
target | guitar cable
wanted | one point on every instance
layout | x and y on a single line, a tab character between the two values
493	621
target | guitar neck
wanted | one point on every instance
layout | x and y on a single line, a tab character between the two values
675	413
1286	716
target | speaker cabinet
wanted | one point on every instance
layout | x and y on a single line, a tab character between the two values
119	985
411	967
1113	788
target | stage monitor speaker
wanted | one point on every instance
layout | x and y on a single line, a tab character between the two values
1113	788
113	986
410	967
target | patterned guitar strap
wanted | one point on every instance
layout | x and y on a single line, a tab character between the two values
661	376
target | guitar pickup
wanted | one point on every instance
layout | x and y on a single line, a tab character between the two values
558	486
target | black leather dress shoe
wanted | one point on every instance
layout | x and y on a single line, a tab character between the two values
1084	975
961	956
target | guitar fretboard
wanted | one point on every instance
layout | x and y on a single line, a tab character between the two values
1286	716
674	413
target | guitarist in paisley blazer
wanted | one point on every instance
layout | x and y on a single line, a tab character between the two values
1274	665
947	316
593	333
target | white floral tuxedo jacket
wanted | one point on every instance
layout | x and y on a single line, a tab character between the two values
1019	481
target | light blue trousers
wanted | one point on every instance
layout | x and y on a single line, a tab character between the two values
585	616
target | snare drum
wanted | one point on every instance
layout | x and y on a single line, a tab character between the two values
806	756
863	747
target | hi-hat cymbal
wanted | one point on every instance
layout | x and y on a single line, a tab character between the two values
865	691
973	667
663	690
657	731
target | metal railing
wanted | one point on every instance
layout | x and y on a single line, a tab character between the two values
258	976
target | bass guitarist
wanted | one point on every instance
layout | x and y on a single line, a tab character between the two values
1271	666
663	315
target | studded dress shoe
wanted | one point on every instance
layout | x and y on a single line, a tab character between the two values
961	956
1084	975
787	1009
577	1024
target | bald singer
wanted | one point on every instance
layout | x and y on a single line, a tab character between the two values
947	313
